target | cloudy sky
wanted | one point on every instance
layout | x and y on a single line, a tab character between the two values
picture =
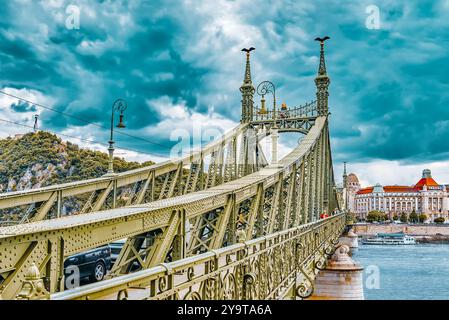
178	65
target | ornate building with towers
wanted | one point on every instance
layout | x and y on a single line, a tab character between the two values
426	196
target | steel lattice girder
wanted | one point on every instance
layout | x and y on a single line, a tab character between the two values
20	245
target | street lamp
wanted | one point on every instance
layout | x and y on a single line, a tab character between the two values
120	106
264	88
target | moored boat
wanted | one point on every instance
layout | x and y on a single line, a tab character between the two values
390	239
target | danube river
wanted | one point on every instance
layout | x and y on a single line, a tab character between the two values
405	272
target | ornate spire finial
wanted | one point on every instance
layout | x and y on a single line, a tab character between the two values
345	176
247	78
322	67
247	90
322	82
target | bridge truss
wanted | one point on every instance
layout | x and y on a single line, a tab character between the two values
177	219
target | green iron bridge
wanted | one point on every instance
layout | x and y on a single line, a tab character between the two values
219	223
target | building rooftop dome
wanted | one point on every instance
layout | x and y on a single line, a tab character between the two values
426	180
352	178
378	188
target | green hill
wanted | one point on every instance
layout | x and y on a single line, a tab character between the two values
41	159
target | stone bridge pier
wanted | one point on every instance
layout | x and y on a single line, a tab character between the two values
342	279
350	239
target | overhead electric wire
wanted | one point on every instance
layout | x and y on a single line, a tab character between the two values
81	119
83	139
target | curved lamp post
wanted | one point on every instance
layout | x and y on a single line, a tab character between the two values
119	105
262	89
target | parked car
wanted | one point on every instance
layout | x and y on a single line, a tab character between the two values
92	264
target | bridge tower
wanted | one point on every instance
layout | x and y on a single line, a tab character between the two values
322	82
247	90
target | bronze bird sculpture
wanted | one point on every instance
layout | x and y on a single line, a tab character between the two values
248	50
322	39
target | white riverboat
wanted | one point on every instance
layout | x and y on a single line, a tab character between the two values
390	239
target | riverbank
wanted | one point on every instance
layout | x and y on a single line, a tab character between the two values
423	233
433	239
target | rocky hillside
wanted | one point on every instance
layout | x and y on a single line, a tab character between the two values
39	159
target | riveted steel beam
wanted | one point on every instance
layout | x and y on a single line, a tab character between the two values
255	211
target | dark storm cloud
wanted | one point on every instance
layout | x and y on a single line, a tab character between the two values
21	106
389	87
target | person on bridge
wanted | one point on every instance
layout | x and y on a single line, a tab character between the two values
324	215
283	114
284	111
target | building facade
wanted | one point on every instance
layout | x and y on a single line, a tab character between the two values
351	186
426	196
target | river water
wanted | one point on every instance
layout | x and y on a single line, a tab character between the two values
405	272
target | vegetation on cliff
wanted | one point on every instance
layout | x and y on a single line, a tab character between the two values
40	159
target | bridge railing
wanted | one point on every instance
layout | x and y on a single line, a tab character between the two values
276	266
307	110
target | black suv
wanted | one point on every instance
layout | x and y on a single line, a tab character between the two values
92	264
